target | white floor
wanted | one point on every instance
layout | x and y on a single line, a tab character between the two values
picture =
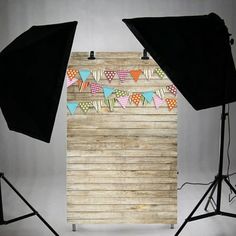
49	200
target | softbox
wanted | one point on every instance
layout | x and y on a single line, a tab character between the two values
33	69
194	52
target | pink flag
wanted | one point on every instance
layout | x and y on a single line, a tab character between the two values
122	74
123	101
70	81
157	101
95	88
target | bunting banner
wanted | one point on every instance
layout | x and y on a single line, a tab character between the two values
148	96
84	74
110	102
109	75
71	73
120	93
172	89
70	82
72	106
82	85
85	106
122	74
157	101
135	98
160	73
148	73
97	105
160	93
107	91
95	88
97	74
171	103
123	101
135	74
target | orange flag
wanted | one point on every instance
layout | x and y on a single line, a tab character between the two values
135	98
71	73
135	74
171	103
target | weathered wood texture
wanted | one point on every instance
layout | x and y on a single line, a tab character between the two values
121	165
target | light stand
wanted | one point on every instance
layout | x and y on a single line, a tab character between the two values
217	183
34	212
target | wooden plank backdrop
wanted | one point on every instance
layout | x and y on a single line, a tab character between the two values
121	165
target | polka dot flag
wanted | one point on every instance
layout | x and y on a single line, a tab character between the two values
85	106
135	98
71	73
171	103
109	75
120	93
172	89
160	73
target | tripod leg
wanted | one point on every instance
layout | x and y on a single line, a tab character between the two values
195	209
230	185
210	197
27	203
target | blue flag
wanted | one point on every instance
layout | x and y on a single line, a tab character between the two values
72	107
84	74
107	91
148	96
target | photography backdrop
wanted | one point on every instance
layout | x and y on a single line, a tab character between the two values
39	169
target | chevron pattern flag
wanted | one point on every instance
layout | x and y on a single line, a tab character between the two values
148	73
97	74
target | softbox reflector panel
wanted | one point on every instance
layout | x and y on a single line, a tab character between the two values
194	52
32	70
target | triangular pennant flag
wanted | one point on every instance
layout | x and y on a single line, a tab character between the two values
97	105
135	74
172	89
85	106
72	107
109	75
70	82
82	85
160	93
123	101
135	98
148	73
171	103
160	73
158	101
110	103
120	93
97	74
71	73
107	91
122	74
148	96
95	88
84	74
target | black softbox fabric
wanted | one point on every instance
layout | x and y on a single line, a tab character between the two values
32	71
194	52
